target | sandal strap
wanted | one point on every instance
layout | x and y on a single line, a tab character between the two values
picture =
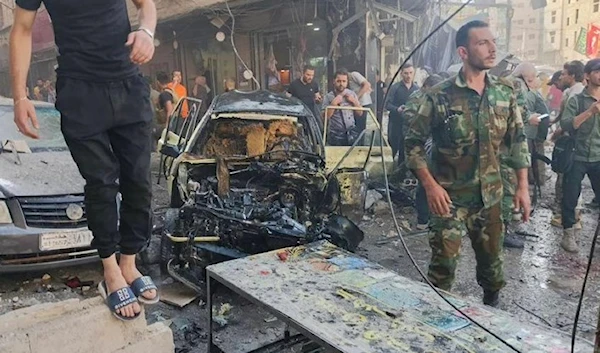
142	285
121	298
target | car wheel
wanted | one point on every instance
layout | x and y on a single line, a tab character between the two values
168	249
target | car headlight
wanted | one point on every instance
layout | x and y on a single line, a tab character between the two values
5	217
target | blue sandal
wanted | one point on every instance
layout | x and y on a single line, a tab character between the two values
118	300
142	285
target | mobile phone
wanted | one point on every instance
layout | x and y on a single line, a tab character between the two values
541	117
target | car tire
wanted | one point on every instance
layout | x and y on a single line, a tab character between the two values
168	249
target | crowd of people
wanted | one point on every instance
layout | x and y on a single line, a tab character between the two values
44	90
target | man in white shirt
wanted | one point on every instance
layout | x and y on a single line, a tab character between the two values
359	84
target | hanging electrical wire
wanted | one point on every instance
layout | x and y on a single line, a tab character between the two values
587	273
391	204
235	48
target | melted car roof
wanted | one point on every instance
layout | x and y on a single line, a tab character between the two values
260	102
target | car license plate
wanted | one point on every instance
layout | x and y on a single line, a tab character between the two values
65	240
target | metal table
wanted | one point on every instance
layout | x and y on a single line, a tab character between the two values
348	304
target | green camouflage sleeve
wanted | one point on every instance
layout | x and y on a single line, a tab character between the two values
522	103
515	140
418	115
569	114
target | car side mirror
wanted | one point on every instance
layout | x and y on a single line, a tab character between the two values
170	151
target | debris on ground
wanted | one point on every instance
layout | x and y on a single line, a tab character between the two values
74	282
157	316
194	335
270	319
177	294
220	316
372	197
46	278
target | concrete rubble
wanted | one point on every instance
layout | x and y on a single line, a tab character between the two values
75	326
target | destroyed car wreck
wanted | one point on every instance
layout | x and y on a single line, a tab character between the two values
252	178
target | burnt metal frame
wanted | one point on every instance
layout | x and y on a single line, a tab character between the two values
289	322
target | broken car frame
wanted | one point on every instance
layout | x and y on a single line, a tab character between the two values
250	180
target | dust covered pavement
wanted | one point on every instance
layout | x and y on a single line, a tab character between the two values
543	281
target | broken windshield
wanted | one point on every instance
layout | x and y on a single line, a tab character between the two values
50	135
221	137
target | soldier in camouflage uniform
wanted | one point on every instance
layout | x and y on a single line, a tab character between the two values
509	181
471	118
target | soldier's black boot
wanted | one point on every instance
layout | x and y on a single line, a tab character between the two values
491	298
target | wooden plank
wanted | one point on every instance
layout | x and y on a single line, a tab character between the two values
356	306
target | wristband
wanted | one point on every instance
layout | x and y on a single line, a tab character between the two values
17	101
147	31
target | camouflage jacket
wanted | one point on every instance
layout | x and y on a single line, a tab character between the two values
469	131
587	137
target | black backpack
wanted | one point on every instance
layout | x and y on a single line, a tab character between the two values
564	148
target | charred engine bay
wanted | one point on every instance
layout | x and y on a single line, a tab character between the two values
279	196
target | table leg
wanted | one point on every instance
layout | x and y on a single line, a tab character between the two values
211	347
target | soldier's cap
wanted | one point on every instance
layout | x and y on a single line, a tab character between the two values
555	78
592	65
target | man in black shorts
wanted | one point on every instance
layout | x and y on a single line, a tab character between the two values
106	119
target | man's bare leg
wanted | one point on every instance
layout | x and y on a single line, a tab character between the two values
130	273
115	280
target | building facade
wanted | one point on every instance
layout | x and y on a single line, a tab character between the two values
572	30
527	34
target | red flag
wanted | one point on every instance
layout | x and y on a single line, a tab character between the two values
593	42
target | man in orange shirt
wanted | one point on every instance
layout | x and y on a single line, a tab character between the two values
181	91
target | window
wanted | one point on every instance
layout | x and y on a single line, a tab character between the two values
596	5
567	42
532	20
575	38
532	36
568	21
576	15
552	37
520	22
554	16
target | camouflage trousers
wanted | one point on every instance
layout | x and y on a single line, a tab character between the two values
486	230
558	193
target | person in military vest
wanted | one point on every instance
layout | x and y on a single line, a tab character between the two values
471	118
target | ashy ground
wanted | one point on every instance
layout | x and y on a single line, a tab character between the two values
543	281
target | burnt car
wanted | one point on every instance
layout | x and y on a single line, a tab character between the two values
43	221
251	177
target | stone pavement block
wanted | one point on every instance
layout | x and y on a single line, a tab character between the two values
71	326
14	343
36	314
158	338
93	330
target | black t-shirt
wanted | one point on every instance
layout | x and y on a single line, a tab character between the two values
163	98
306	93
91	37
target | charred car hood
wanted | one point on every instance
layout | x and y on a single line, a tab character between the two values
39	174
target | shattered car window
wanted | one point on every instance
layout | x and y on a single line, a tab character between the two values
249	137
51	137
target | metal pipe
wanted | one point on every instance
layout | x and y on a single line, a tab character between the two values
208	239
